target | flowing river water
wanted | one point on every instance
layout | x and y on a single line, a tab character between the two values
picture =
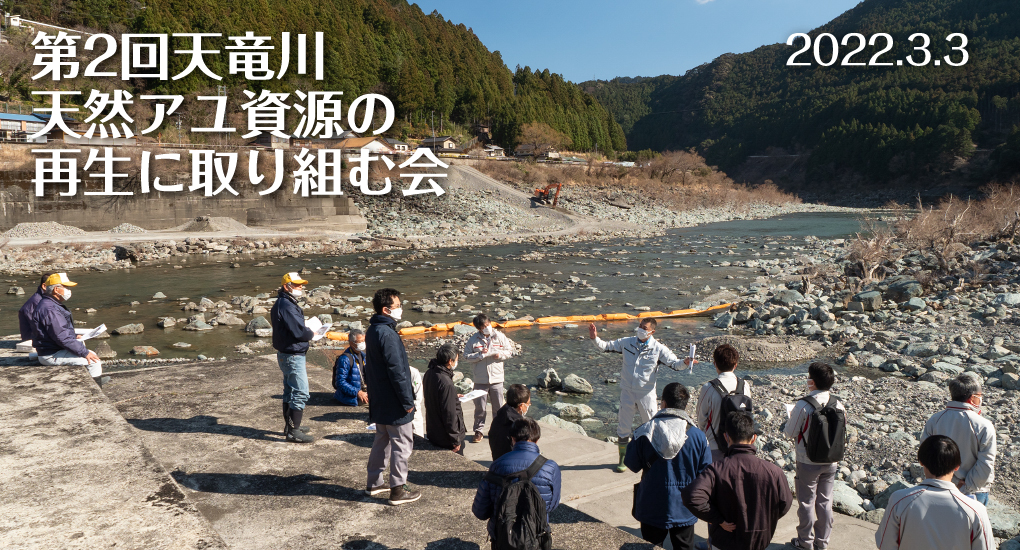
663	273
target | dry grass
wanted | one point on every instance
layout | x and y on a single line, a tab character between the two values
681	181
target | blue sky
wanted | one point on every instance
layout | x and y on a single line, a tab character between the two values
582	39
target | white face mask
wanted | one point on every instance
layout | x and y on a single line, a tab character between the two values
396	313
642	334
66	293
454	367
487	331
360	346
297	293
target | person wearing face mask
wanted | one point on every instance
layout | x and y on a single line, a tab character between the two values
347	371
486	350
642	356
815	481
290	339
444	419
53	333
974	434
391	400
518	401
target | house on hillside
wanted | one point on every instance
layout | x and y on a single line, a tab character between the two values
494	151
272	141
528	150
17	128
398	146
375	145
321	143
442	143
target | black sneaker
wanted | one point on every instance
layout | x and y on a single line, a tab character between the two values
376	491
403	494
295	435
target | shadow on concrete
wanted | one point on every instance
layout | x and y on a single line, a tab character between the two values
588	467
451	480
357	439
365	544
202	424
351	413
267	484
453	543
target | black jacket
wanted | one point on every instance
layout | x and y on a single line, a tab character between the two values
499	431
444	419
387	373
742	489
290	335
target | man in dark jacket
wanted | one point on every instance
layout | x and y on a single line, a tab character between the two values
53	335
525	433
27	311
290	339
391	400
743	496
518	401
670	452
444	419
348	377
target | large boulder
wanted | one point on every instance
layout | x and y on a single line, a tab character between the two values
133	328
573	411
724	321
1005	520
788	298
549	380
464	330
872	300
575	384
922	349
257	323
1008	299
845	500
104	351
553	420
227	319
148	351
903	290
881	500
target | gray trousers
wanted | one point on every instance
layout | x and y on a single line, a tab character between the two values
814	483
495	394
394	443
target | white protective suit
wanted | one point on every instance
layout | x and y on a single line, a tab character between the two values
641	362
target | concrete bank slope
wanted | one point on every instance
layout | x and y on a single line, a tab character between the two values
593	487
218	429
74	474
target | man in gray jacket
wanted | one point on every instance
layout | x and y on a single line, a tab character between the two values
974	434
486	350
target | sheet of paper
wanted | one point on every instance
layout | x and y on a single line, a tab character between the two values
472	395
320	333
313	323
693	348
789	409
94	332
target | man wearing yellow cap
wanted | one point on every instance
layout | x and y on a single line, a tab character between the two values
290	339
53	335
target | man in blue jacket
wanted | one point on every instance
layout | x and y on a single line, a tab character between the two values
348	371
53	335
391	400
670	451
27	311
290	339
525	434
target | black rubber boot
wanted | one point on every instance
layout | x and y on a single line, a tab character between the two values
294	432
286	418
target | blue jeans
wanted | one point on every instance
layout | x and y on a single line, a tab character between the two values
980	497
295	379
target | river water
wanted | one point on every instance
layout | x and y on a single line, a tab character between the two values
663	273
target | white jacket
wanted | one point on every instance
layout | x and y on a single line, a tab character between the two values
641	360
975	435
418	422
488	370
709	403
798	422
934	515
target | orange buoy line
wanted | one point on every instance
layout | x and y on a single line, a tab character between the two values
447	327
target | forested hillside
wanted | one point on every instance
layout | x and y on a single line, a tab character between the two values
429	66
882	122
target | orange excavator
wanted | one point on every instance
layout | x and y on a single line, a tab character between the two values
545	195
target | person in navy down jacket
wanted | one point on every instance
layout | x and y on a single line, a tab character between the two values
670	451
391	400
53	335
27	311
290	339
525	434
348	371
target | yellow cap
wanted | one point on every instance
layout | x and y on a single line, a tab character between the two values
294	279
59	279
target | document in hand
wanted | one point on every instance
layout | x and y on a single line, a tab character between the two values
472	395
317	327
94	332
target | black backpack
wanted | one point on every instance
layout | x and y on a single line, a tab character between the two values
734	401
520	517
825	434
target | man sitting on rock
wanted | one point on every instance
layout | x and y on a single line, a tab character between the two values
642	356
348	371
935	515
486	350
53	335
444	419
27	311
670	452
518	401
973	434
